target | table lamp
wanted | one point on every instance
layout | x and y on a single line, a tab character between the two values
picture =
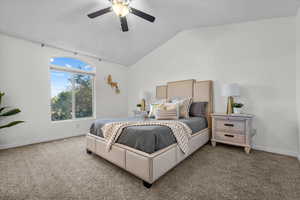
144	96
230	90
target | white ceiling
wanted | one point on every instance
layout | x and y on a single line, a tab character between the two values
64	23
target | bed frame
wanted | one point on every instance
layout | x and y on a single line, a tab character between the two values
150	167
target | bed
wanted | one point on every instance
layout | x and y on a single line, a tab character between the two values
150	152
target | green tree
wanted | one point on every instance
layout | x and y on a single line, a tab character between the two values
62	106
62	103
83	96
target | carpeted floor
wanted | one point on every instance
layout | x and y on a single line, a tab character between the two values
62	170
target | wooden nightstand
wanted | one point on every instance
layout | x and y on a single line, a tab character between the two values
234	129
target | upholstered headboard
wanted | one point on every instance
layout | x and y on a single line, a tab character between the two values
200	91
161	92
180	89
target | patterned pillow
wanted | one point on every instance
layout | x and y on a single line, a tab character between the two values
167	111
169	106
153	109
184	107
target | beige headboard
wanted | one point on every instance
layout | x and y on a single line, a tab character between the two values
200	91
161	92
180	88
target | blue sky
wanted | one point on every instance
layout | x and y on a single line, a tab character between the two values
59	82
71	63
59	79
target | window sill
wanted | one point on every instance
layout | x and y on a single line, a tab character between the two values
74	120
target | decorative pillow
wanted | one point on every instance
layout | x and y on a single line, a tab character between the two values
158	101
170	106
175	99
153	109
167	111
198	109
184	107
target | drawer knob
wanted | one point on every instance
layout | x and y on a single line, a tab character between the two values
229	135
231	125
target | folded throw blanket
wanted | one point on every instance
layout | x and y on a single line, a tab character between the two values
181	131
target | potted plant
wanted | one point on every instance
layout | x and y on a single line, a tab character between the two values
139	106
6	113
237	108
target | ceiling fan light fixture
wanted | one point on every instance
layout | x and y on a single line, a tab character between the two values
121	8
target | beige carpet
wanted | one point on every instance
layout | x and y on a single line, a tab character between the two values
62	170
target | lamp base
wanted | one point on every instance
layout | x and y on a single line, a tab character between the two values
229	105
143	105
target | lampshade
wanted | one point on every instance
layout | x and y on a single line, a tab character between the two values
231	90
145	95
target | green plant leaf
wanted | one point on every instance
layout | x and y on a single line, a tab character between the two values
11	124
1	95
1	109
237	105
10	112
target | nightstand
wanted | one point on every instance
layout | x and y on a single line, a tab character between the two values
140	114
234	129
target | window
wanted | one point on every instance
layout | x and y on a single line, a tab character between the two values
72	89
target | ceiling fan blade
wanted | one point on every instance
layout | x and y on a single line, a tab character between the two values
142	15
124	24
100	12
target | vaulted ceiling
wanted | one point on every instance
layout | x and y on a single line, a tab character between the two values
64	23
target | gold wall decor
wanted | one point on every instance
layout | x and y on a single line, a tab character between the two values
113	85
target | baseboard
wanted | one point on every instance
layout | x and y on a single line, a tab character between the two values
276	150
256	147
9	146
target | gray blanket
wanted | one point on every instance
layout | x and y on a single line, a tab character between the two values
148	139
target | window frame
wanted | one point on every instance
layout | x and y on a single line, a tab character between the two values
74	71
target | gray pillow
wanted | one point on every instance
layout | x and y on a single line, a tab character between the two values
198	109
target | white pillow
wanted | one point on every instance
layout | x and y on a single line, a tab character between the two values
184	106
158	101
153	109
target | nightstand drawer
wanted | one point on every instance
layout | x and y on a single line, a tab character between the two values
230	137
232	126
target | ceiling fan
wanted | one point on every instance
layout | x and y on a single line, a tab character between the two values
121	9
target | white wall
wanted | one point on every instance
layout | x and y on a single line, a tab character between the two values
25	78
258	55
298	75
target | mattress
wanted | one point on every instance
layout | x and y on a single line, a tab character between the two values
148	139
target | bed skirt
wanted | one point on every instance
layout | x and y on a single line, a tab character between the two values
148	167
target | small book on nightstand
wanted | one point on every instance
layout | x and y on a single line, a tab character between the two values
233	129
